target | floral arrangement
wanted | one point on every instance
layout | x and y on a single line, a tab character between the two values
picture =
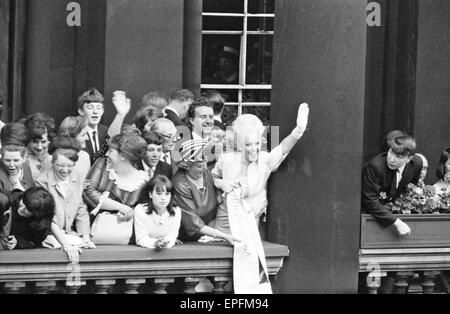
421	199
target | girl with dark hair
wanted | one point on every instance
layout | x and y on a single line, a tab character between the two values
157	223
443	172
41	129
66	187
27	221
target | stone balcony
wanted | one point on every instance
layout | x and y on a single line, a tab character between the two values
127	269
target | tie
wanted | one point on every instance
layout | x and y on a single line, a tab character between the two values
151	172
94	140
398	177
394	183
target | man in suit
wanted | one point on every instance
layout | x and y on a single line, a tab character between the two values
386	176
152	159
178	106
167	131
90	106
218	103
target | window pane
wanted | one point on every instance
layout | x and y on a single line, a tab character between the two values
230	95
259	59
222	23
225	6
229	114
256	95
261	6
262	112
220	59
260	24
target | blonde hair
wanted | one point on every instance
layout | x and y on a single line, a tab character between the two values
244	125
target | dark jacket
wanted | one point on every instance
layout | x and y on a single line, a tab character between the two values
172	116
102	134
378	178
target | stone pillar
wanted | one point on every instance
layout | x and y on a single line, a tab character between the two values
401	282
160	285
314	197
432	82
149	60
102	286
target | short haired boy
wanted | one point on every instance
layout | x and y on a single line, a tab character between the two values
386	176
91	106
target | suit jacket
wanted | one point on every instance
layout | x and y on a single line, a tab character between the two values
377	178
220	125
172	116
102	134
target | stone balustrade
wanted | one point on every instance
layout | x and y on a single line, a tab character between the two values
126	269
411	270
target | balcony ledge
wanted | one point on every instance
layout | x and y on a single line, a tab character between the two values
130	262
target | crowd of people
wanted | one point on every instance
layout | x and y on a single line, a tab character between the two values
155	183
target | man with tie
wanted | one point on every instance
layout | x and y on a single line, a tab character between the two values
90	106
386	176
179	103
152	160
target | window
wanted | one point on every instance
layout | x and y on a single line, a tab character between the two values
237	39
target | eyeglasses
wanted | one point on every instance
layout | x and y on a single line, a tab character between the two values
171	138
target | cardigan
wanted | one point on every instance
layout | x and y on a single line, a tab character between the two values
69	208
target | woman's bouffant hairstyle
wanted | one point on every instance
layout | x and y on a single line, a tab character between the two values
66	146
153	100
152	138
14	134
38	202
40	123
72	126
445	155
91	95
243	126
160	183
132	146
143	117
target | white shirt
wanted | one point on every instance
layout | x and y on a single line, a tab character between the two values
150	228
399	174
218	118
91	136
170	108
195	136
168	157
147	168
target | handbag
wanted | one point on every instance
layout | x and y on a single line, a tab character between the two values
106	229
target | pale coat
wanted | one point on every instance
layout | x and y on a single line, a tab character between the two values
70	209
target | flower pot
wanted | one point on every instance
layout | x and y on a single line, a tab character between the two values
427	230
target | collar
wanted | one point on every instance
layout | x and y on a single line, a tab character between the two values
195	136
400	170
146	167
90	130
164	216
172	109
218	118
53	181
